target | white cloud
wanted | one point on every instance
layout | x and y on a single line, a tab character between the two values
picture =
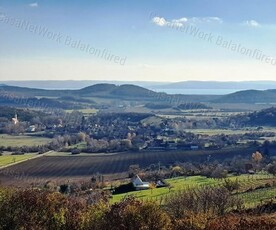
207	20
251	23
160	21
34	4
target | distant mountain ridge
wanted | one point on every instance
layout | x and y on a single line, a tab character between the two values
136	93
98	90
157	86
74	84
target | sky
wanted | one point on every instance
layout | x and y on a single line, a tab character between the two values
145	40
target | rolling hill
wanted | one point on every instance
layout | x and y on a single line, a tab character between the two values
265	117
73	99
249	96
85	97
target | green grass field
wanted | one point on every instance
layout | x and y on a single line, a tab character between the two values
84	111
181	183
231	132
255	197
17	141
217	131
10	159
177	184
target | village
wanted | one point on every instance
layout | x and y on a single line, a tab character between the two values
123	132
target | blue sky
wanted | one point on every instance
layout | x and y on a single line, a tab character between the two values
138	40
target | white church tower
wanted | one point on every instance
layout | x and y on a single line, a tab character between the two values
15	120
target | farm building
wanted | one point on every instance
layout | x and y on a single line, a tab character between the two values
139	184
31	129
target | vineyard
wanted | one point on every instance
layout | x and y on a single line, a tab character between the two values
254	189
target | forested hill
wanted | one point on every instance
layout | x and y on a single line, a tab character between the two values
112	91
263	117
249	96
135	93
103	90
266	117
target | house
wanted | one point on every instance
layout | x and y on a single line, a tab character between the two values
31	129
139	184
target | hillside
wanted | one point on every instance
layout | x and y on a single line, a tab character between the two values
95	89
8	113
10	95
105	90
114	91
133	90
249	96
74	99
31	92
265	117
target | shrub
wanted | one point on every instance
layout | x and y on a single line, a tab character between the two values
211	201
231	222
75	151
134	214
64	188
17	153
94	216
219	173
231	185
36	209
272	168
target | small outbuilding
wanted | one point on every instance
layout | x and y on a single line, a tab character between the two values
139	184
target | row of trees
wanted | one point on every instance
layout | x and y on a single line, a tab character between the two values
212	169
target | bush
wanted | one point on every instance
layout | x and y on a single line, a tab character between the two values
219	173
231	222
75	151
64	188
17	153
211	201
192	209
231	185
133	214
271	168
35	209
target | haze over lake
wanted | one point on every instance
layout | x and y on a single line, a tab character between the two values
199	91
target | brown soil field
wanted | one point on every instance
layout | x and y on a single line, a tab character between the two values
64	168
